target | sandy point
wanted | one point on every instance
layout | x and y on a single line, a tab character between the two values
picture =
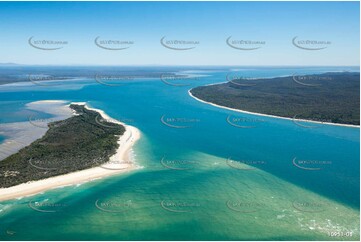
120	162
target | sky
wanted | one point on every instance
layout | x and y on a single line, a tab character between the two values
206	24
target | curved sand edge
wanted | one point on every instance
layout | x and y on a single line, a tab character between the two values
120	162
269	115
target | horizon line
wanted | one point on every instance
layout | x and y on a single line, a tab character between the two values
163	65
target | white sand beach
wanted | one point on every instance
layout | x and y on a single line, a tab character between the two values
120	162
272	116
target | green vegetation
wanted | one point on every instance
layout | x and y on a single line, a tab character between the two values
79	142
329	97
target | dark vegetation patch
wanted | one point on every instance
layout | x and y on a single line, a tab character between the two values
79	142
329	97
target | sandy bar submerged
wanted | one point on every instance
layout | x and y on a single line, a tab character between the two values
21	134
120	162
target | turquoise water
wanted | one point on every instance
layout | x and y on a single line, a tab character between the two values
189	188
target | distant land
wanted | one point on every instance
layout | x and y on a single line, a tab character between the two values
73	144
330	97
8	64
12	73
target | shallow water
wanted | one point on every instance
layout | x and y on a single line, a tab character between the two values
191	187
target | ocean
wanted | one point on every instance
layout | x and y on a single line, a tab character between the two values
201	177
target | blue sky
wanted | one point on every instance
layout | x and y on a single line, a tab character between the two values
209	23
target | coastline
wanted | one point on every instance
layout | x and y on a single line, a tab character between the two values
21	134
269	115
120	162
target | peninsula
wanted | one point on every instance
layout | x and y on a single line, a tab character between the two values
331	98
86	146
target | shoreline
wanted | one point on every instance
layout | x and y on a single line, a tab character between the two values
21	134
269	115
120	162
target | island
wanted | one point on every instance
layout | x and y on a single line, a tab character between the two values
331	97
86	146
